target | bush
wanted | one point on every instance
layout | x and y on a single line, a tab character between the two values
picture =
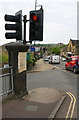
29	64
30	61
3	59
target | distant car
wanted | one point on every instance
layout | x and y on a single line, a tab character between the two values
54	59
63	59
73	64
46	58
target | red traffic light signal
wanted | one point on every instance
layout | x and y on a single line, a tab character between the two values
36	25
34	17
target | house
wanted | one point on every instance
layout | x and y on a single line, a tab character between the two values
63	51
72	48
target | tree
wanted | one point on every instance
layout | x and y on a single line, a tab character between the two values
56	50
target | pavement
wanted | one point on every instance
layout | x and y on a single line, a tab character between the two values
40	66
39	103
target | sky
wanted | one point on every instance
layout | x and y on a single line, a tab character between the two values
60	19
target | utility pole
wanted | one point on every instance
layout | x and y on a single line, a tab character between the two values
35	4
24	20
34	41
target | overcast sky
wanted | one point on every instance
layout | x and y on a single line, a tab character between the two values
60	18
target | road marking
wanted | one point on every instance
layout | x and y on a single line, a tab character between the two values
71	106
65	71
69	72
31	108
57	67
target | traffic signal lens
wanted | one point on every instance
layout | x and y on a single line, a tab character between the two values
34	18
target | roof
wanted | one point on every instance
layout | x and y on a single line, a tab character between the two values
75	41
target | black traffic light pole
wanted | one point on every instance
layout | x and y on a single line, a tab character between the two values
34	41
25	21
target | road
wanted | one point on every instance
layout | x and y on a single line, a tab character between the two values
57	78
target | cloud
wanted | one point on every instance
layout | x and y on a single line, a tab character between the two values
60	18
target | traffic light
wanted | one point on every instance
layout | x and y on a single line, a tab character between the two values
16	29
36	25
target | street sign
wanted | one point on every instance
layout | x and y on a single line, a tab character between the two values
32	49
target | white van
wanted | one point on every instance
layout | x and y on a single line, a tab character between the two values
54	59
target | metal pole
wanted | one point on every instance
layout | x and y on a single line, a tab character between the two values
35	4
25	27
34	41
24	41
12	80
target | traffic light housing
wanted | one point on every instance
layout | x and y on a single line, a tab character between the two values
36	25
16	29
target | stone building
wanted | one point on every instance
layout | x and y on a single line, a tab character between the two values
63	51
72	47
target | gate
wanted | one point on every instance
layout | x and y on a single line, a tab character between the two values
6	81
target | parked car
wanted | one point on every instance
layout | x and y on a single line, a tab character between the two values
73	64
54	59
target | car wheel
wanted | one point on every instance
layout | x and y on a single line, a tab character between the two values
74	70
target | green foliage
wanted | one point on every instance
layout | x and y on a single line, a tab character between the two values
0	59
62	46
4	58
30	62
51	48
45	45
56	50
30	58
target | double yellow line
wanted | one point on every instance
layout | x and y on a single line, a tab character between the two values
71	106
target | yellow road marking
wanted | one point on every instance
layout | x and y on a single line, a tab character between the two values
65	71
72	105
69	106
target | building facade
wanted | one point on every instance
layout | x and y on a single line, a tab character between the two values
72	47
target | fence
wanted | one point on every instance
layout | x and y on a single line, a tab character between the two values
6	81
